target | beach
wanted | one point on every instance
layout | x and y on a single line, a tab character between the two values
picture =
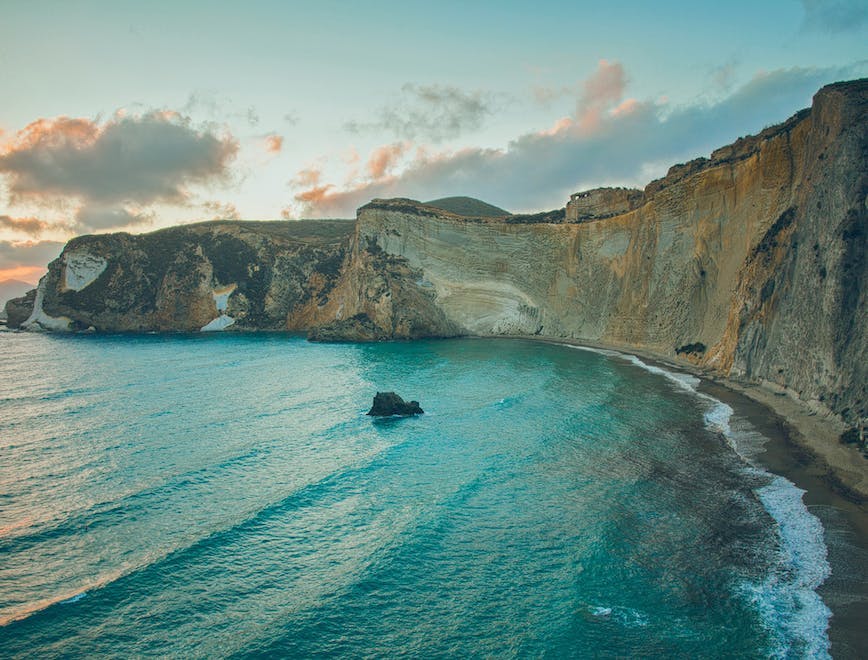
803	446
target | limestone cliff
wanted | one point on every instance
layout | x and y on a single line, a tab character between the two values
751	262
209	276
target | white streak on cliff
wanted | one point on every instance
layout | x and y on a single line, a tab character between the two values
81	269
38	319
221	300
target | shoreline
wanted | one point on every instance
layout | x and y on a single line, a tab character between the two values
812	434
803	448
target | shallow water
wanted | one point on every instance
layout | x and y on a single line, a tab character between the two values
226	495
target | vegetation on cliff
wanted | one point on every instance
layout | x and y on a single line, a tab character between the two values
468	206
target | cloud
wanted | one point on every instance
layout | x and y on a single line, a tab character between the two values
221	210
28	254
384	159
723	76
834	16
113	169
129	159
252	116
93	217
210	104
546	95
30	226
309	176
610	140
431	112
273	143
602	87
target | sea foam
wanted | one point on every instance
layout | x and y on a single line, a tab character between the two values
787	600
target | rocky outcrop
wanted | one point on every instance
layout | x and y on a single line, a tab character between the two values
380	295
209	276
750	263
388	404
602	203
18	310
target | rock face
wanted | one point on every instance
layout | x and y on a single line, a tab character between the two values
602	203
387	404
380	295
751	262
210	276
18	310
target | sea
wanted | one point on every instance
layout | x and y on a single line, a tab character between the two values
226	495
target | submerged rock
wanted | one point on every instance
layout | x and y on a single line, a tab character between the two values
387	404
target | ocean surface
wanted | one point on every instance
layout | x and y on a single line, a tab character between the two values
226	495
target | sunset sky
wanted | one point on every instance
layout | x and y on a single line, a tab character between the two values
134	116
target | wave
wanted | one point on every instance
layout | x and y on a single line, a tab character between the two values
787	600
300	496
625	616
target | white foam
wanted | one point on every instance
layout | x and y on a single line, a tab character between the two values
601	611
74	599
626	616
787	600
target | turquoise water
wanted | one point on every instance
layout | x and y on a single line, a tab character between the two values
226	496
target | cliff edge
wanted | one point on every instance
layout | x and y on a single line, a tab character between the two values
750	264
207	276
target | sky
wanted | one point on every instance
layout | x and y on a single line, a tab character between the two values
131	116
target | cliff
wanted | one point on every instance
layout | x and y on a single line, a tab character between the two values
750	263
208	276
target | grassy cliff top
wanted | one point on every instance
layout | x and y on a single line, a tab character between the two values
468	206
318	232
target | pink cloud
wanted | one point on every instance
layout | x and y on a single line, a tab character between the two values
602	90
30	225
316	195
626	107
383	159
273	143
609	141
308	177
351	156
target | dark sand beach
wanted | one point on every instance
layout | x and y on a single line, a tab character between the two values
802	446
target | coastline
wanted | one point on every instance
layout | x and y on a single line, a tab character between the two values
802	446
813	435
788	454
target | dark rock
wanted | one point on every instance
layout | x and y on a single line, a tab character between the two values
696	347
856	436
18	310
387	404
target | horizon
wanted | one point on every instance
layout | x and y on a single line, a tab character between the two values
314	110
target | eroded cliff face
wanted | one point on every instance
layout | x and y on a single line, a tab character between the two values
210	276
751	263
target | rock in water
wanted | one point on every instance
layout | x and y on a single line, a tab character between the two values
387	404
